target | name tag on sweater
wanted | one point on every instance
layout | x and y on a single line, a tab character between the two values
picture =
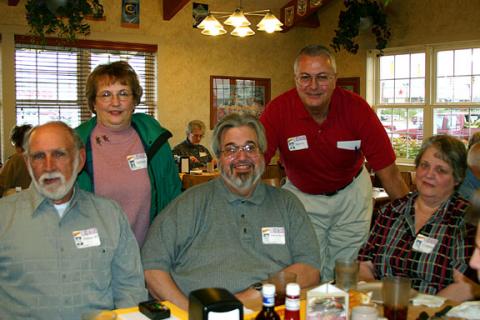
137	161
273	235
86	238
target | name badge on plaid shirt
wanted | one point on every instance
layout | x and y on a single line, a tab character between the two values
424	244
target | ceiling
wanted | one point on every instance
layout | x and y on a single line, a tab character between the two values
309	19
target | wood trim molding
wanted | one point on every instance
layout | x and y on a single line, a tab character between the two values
301	13
89	44
171	7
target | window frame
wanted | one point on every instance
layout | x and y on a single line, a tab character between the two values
430	104
87	48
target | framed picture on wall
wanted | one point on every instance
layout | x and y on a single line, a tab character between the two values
352	84
237	94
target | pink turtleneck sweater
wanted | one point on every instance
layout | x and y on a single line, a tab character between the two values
114	178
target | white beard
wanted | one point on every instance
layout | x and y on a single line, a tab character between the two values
57	191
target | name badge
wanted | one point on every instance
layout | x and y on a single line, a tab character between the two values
273	235
349	145
86	238
137	161
202	154
424	244
297	143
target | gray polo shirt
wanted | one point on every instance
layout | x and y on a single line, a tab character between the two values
52	268
209	237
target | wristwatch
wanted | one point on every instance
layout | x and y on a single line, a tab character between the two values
257	286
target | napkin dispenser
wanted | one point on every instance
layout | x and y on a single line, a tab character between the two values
214	304
184	165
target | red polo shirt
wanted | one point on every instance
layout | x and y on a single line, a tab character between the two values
323	158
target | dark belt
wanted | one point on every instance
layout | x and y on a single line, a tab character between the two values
329	194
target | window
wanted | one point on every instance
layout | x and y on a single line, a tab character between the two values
427	91
50	80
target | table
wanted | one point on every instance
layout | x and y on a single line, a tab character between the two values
255	305
191	179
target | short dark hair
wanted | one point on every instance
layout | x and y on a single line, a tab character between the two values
452	151
235	120
195	124
474	138
17	134
119	71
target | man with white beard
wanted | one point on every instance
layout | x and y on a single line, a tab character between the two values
230	232
63	251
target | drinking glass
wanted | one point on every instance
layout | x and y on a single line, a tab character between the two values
364	313
396	296
346	274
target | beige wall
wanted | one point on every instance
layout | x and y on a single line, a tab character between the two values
186	59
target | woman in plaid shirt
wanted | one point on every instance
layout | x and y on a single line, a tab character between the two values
424	236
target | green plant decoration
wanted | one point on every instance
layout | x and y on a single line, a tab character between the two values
64	18
349	24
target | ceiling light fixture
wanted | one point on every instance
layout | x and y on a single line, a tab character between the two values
212	27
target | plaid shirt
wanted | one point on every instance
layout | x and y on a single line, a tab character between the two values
389	246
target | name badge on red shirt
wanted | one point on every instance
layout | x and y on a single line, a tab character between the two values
424	244
349	145
297	143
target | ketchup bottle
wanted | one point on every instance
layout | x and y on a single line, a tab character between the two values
292	302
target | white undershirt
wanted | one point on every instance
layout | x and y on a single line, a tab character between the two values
63	206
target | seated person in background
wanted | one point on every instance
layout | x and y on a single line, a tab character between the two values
424	236
15	173
475	260
472	176
199	155
64	251
232	231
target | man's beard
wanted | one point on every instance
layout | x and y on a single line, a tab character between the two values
56	191
244	181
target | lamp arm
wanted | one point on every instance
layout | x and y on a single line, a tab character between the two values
257	12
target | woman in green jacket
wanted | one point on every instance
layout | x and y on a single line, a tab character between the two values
128	157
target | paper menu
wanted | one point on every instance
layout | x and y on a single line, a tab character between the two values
327	302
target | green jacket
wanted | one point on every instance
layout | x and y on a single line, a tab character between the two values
162	170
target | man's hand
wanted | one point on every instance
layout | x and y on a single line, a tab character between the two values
194	159
162	287
248	294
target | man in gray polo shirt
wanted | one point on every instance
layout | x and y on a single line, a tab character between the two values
232	231
64	251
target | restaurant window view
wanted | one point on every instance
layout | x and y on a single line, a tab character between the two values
428	92
50	81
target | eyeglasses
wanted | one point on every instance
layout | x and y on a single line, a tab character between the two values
305	79
107	96
231	150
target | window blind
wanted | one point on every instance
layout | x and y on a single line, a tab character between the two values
50	79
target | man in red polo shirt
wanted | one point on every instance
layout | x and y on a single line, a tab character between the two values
324	134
